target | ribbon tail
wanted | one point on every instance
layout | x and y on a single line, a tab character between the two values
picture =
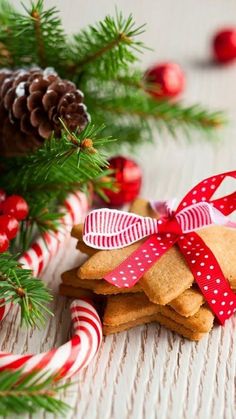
204	190
208	276
141	260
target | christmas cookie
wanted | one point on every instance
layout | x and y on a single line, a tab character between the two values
170	276
186	304
70	278
123	312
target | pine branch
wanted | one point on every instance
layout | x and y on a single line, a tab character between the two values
36	16
72	159
35	37
137	112
18	285
47	175
29	394
166	112
105	47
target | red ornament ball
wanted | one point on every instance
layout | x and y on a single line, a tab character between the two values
165	80
128	177
16	206
9	225
224	45
4	242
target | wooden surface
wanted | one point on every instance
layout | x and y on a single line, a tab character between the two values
149	372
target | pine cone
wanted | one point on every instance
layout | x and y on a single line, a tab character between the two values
31	103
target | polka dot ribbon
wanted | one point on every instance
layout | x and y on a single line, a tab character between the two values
113	229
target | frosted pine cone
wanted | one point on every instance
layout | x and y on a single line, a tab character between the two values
31	103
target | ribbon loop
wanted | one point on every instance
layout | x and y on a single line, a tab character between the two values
113	229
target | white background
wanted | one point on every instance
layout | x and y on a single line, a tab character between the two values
149	372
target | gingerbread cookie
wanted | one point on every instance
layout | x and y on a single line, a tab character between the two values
185	304
125	311
170	276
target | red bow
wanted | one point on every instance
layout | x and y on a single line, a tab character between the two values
109	229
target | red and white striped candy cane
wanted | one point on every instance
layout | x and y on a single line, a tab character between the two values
46	246
69	358
4	309
79	351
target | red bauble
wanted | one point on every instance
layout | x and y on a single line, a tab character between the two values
224	45
9	225
4	242
16	206
128	177
166	80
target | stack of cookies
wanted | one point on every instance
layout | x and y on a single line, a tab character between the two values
165	294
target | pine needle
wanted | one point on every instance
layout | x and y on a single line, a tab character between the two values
18	286
29	394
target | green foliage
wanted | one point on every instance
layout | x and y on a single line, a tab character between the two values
29	394
98	59
132	115
31	38
107	47
17	285
47	175
63	163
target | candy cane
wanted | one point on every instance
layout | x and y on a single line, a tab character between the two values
79	351
46	246
4	309
68	358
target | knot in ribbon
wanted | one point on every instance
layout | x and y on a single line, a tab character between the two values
113	229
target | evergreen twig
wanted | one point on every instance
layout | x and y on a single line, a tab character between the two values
18	286
47	175
132	113
106	47
38	35
27	394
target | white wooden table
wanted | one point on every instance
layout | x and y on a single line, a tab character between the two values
149	372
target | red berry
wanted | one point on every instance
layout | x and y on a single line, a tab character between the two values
224	45
9	225
16	206
128	177
4	242
165	80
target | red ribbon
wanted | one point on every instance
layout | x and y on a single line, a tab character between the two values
106	229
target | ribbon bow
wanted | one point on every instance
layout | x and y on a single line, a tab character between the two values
113	229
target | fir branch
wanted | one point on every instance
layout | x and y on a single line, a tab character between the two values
166	112
36	37
36	16
63	161
30	393
137	112
18	285
106	47
47	175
